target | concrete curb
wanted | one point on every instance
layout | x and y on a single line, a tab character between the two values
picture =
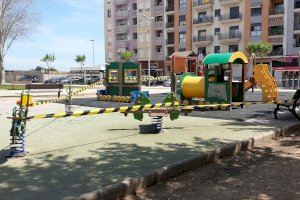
121	189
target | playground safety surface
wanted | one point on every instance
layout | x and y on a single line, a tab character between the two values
71	156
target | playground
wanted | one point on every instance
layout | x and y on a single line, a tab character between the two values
69	153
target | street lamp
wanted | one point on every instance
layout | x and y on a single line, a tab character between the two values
93	41
148	20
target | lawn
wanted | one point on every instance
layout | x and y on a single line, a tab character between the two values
11	87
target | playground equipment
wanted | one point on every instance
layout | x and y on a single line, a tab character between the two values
218	84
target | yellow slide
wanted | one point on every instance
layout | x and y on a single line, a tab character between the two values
266	82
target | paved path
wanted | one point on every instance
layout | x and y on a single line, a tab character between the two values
72	156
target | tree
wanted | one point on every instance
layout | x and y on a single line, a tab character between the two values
17	20
260	49
81	60
126	55
48	59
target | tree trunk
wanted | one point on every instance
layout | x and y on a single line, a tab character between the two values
2	72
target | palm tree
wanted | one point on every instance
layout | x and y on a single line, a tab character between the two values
81	60
48	59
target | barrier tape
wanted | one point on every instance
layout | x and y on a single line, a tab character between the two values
114	98
125	109
98	111
72	94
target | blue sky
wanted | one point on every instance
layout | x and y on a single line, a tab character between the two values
65	29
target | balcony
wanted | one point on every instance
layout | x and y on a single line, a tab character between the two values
121	2
159	10
121	43
229	2
159	25
256	3
297	6
275	40
134	28
170	25
159	41
203	40
121	29
276	32
277	52
233	37
121	15
170	9
230	18
202	4
203	21
159	56
296	28
134	13
170	42
276	11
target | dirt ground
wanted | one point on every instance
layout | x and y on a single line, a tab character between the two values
268	171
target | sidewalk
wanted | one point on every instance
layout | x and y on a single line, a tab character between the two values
72	156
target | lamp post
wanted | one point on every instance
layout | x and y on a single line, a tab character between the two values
148	20
93	42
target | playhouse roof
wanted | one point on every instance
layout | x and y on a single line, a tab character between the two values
224	58
183	54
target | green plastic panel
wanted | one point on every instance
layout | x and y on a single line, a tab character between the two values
128	90
111	90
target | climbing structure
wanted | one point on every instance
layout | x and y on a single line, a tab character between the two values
266	82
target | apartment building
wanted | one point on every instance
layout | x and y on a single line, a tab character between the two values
162	27
136	25
218	26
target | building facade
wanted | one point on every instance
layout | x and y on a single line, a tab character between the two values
158	28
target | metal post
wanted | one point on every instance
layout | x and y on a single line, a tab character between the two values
93	52
150	45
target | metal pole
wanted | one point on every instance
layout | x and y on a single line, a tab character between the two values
149	56
93	52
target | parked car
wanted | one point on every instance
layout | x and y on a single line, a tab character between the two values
93	79
167	83
65	80
33	79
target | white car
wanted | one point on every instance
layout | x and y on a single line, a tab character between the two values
167	83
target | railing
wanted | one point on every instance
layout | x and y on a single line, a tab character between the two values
202	2
230	17
169	24
169	8
120	1
134	28
277	11
277	52
159	9
230	36
256	3
169	41
296	45
203	20
121	14
296	27
159	24
205	38
275	32
134	12
121	29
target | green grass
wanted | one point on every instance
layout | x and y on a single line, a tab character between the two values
10	87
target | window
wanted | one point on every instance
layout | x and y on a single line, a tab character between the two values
217	13
233	48
233	31
201	16
108	13
201	34
135	51
202	50
140	6
217	49
147	37
147	6
255	12
110	56
141	37
134	6
134	21
134	36
182	20
234	12
255	29
217	31
159	33
182	37
158	49
182	4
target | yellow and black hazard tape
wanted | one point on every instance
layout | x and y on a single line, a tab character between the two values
151	78
72	94
124	109
114	98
